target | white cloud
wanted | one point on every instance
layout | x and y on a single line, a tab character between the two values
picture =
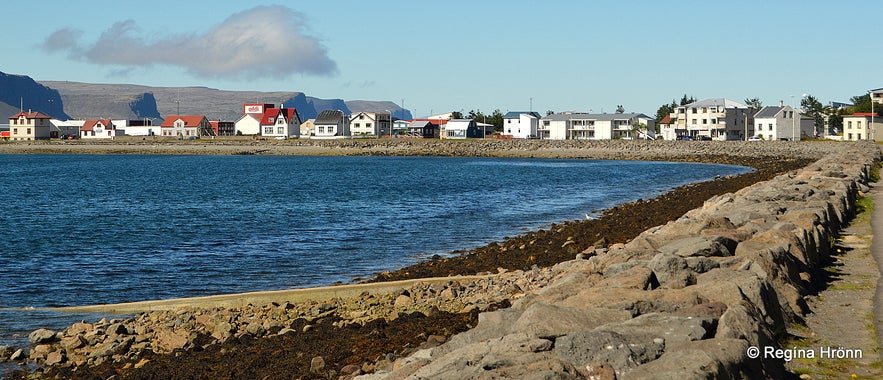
266	41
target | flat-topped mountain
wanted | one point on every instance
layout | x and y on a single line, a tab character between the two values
77	100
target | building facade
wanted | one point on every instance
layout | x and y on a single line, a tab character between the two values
29	126
858	127
98	129
782	123
280	123
186	126
587	126
372	124
521	124
331	124
714	118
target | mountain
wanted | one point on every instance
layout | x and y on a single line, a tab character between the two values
379	106
128	101
19	91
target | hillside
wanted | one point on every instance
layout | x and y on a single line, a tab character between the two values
127	101
22	91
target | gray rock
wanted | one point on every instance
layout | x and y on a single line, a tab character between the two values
701	246
42	336
545	320
622	352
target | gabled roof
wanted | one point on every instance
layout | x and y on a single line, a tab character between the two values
862	114
768	111
189	120
89	125
517	114
31	115
665	120
287	113
329	117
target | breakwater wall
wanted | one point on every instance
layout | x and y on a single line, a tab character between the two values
700	297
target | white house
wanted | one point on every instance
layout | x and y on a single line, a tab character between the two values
370	124
460	129
782	123
715	118
586	126
250	122
186	126
280	123
98	129
858	127
331	124
521	124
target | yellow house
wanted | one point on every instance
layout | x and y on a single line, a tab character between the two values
29	126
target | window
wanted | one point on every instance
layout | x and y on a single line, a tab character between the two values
280	130
771	126
268	130
704	110
358	125
367	125
29	131
694	121
713	121
694	111
704	121
848	125
14	131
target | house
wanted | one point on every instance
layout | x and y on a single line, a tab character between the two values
142	127
461	129
586	126
250	123
715	118
371	124
400	127
280	123
782	123
858	126
98	129
30	126
331	124
186	126
223	128
307	127
423	129
521	124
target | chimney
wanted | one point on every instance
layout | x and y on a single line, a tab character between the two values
781	103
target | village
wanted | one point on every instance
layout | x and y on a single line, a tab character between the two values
707	119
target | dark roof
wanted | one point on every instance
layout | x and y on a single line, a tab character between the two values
768	111
329	117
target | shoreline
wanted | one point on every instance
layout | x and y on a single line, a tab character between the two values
669	151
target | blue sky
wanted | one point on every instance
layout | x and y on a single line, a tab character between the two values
442	56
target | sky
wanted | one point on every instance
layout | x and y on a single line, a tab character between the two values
434	57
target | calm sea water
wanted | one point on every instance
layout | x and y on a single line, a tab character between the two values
86	229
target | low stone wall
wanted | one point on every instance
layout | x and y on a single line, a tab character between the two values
689	299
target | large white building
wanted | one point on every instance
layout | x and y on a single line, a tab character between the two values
858	127
715	118
588	126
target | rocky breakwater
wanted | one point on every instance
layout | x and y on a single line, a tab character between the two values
683	300
130	343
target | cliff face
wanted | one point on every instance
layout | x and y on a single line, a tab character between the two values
22	91
123	101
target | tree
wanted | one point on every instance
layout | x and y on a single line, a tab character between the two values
813	108
456	115
620	109
862	103
685	100
665	110
637	128
754	103
496	119
550	112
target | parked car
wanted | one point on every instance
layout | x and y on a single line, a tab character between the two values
688	138
705	138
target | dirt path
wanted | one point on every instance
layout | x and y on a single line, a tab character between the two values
843	314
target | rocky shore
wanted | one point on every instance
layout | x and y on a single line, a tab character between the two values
685	298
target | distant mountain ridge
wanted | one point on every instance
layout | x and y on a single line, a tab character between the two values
66	100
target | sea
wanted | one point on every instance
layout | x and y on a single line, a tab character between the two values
94	229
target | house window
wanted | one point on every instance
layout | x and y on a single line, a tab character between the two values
29	131
771	126
694	121
15	131
268	130
367	125
358	125
848	125
280	130
713	121
704	121
694	111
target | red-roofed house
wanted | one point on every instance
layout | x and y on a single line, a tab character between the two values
98	129
29	126
280	123
269	121
186	126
